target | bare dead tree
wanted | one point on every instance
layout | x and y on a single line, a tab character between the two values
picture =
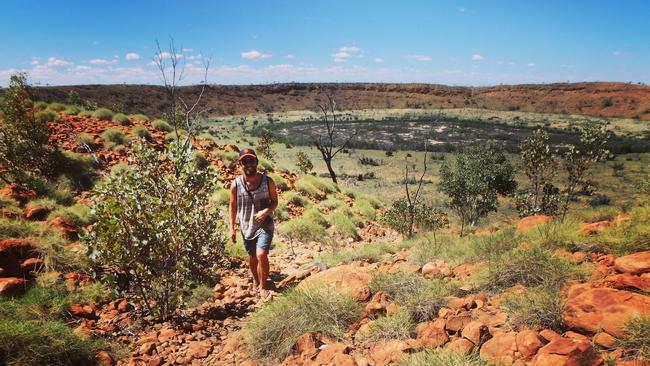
182	113
413	198
328	142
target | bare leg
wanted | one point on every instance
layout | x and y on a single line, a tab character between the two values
263	267
252	263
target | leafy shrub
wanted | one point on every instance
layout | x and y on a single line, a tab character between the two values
322	184
85	113
221	197
162	125
303	163
599	200
307	188
85	139
636	338
179	135
113	137
281	212
199	161
628	237
265	165
421	297
364	207
47	116
74	171
538	306
304	230
280	183
103	114
331	203
72	110
229	157
343	226
121	118
79	215
56	107
313	214
272	331
442	357
139	117
159	227
141	132
296	199
398	325
365	160
40	105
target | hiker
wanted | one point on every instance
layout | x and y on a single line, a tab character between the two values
253	198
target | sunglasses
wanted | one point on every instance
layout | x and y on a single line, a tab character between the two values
249	161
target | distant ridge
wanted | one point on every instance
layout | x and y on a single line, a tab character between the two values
606	99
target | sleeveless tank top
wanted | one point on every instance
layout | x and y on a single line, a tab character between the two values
250	202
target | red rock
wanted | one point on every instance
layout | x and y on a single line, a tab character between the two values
392	308
65	225
349	279
377	304
390	352
604	340
334	354
31	265
20	248
636	263
568	352
549	335
75	278
78	310
12	286
155	361
306	343
37	213
500	349
528	343
166	334
456	323
531	221
430	270
17	192
199	349
591	309
431	335
621	218
461	345
595	227
147	348
577	336
104	359
475	331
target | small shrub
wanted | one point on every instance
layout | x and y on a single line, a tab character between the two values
331	203
40	105
365	160
343	226
322	184
307	188
121	118
442	357
162	125
371	253
85	139
72	110
10	228
85	113
281	212
103	114
599	200
364	207
228	157
47	116
95	292
79	215
538	306
113	137
398	325
280	183
139	117
56	107
199	295
272	331
265	165
141	132
304	164
303	230
221	197
313	214
296	199
636	338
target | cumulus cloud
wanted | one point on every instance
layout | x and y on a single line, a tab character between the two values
477	57
166	54
421	58
255	55
187	49
345	53
131	56
101	61
53	61
289	56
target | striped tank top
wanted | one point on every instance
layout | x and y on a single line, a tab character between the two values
250	202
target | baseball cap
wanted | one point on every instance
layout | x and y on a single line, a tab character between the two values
243	153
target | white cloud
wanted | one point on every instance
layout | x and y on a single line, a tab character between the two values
289	56
34	62
477	57
461	9
532	64
101	61
345	53
53	61
132	56
617	53
421	58
187	49
255	55
379	60
193	57
166	54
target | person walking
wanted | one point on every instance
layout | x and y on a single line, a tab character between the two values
253	198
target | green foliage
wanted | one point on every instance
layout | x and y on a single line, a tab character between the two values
628	237
280	183
264	165
364	207
221	197
40	105
228	157
343	226
23	137
56	107
403	216
199	295
371	253
398	325
139	117
10	228
304	164
281	212
141	132
331	203
47	116
85	113
307	188
176	136
157	225
473	182
103	114
199	161
272	331
322	184
113	137
265	145
79	215
421	297
73	98
72	110
304	230
442	357
296	199
162	125
313	214
636	338
121	118
74	171
538	306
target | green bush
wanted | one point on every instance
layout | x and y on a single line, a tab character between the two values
280	183
113	137
331	203
199	295
199	160
421	297
228	157
307	188
442	357
72	110
304	230
628	237
265	165
85	113
48	203
56	107
159	227
272	331
296	199
40	105
364	207
79	215
74	171
10	228
141	132
539	306
281	212
398	325
221	197
343	226
47	116
636	338
85	139
103	114
303	163
371	253
322	184
121	118
139	117
162	125
313	214
175	136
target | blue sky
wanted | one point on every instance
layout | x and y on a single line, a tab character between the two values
448	41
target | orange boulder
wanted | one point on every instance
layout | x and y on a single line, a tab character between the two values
567	352
531	221
636	263
349	279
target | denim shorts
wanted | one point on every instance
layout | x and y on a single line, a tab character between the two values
261	241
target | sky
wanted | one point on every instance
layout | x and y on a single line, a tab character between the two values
453	42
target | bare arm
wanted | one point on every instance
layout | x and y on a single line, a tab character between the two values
233	210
